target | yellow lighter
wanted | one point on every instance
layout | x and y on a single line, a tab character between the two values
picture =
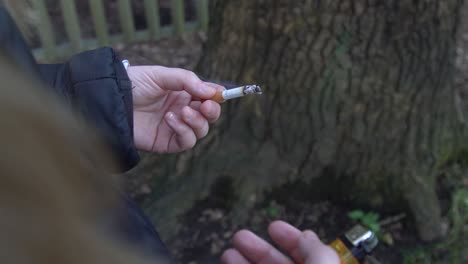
355	245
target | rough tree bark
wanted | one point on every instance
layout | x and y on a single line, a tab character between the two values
358	94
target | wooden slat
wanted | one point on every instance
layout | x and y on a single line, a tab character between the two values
72	26
49	50
178	16
126	20
202	14
99	20
152	18
63	51
46	34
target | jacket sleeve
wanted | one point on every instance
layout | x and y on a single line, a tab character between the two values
97	85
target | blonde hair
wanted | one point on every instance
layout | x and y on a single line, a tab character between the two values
50	196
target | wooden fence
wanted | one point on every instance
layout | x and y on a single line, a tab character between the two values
50	49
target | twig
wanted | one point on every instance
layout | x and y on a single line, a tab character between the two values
392	219
301	218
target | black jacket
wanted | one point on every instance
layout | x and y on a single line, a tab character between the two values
94	82
97	85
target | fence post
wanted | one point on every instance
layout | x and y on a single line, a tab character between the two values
99	20
126	20
152	18
46	34
202	14
178	16
72	25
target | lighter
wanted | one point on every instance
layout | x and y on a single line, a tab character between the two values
355	245
220	97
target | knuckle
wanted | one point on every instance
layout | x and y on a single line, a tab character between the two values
191	76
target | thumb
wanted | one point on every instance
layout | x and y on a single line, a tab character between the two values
314	251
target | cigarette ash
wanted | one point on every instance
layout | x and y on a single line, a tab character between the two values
252	89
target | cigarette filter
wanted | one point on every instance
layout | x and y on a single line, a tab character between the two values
221	97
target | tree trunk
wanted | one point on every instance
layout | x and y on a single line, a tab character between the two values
358	101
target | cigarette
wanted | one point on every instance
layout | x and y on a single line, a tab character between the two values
223	96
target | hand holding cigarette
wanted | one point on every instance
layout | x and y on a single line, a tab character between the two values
172	109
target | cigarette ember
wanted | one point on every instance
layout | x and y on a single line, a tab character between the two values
252	89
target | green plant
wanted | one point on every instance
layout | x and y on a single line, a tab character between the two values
369	220
272	210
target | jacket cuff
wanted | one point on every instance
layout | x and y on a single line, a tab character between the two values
102	92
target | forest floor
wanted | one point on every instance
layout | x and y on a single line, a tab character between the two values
208	226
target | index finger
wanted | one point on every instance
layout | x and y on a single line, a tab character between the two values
176	79
258	250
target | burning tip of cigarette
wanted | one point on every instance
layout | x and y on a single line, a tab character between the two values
238	92
252	89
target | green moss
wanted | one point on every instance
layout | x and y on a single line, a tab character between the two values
450	156
454	148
